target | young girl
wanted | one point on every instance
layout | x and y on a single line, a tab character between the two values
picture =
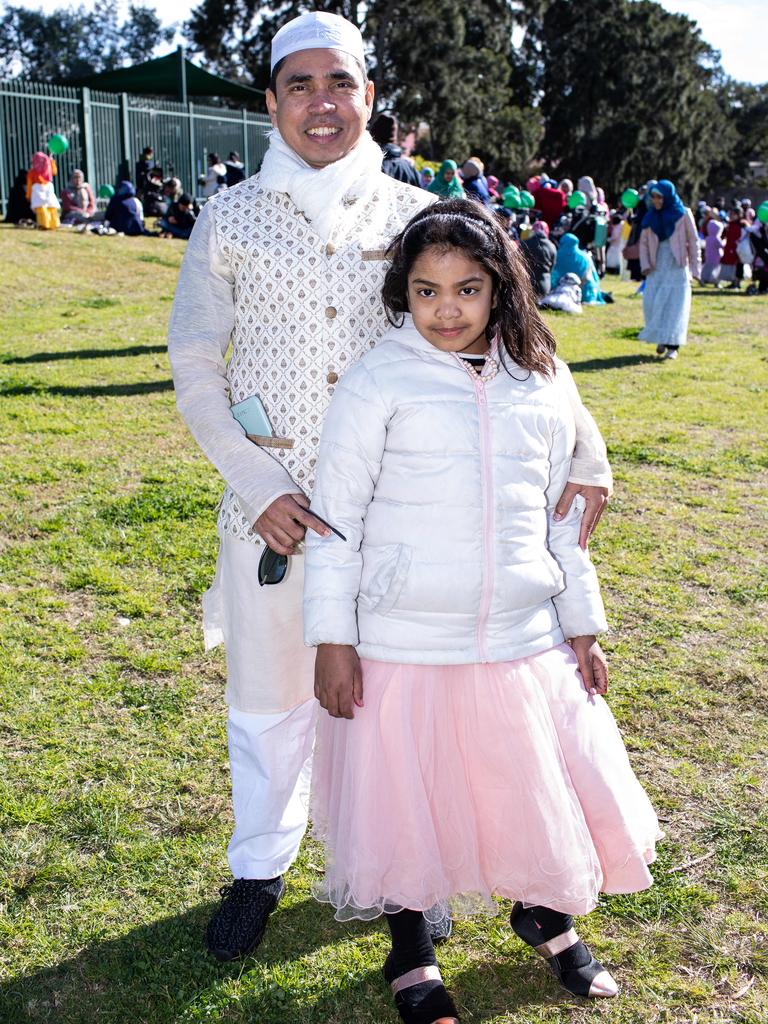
713	251
40	193
729	263
464	755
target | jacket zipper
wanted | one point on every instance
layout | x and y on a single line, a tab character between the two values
487	498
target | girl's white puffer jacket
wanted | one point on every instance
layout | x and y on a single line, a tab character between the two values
443	483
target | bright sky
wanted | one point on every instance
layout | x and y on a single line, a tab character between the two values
735	27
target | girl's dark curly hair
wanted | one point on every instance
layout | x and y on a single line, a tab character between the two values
464	224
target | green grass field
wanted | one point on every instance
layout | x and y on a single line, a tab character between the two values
114	789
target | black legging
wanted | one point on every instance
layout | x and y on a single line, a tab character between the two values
411	943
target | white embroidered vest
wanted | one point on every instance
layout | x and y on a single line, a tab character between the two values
304	311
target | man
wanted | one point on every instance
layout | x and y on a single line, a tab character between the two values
144	165
287	268
180	218
384	130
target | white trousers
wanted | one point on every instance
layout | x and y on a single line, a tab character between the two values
269	670
272	713
271	763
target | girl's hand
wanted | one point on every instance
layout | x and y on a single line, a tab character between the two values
338	680
592	664
596	499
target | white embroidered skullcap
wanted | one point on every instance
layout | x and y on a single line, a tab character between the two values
317	30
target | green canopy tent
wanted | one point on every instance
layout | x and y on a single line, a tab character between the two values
172	75
154	106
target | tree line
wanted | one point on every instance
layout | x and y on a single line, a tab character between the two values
73	42
620	90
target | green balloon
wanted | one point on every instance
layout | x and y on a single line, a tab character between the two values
106	191
511	197
762	212
630	197
58	145
576	199
526	200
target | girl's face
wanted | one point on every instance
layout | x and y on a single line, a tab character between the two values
657	199
450	297
449	174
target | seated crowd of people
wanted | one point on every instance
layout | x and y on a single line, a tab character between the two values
571	236
563	231
33	201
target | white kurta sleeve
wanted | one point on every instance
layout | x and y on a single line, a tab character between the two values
198	337
589	462
351	449
579	607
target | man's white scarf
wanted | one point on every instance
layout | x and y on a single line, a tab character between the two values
326	195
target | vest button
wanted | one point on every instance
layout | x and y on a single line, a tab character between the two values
330	312
330	249
332	377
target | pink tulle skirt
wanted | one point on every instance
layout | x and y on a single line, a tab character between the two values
462	782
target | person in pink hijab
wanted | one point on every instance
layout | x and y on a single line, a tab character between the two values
40	193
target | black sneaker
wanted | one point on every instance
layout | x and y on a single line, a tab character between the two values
239	924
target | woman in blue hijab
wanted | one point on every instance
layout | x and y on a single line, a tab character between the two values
663	217
573	260
669	254
124	212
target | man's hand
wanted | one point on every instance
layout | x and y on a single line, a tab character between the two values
596	499
592	664
283	523
338	680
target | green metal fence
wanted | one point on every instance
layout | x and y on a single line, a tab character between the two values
107	132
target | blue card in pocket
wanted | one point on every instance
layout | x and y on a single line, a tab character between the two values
251	416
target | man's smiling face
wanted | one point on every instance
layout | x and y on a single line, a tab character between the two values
321	104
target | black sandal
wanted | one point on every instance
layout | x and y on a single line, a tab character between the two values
569	958
422	998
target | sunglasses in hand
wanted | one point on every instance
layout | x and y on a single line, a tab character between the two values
273	567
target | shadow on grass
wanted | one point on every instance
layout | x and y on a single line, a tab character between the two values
160	973
721	293
86	353
612	362
155	971
87	390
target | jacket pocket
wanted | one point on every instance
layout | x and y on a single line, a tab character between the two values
384	572
523	585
